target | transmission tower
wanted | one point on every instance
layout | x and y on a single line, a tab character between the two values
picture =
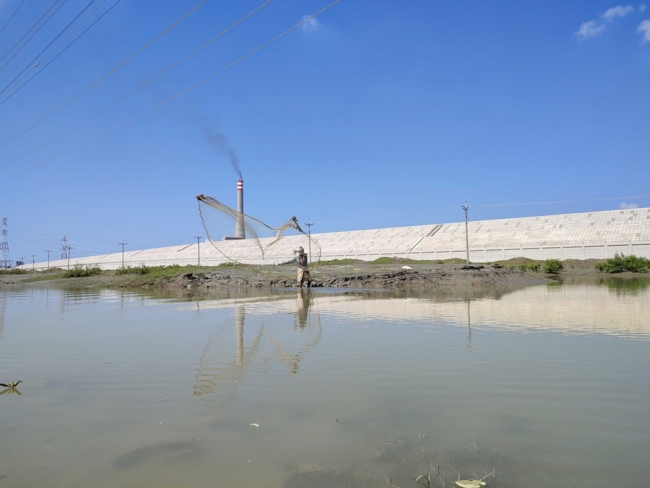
64	254
5	260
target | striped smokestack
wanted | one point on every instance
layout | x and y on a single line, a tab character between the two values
240	230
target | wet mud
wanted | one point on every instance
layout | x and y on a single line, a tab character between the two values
356	276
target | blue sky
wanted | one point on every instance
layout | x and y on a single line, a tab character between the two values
377	114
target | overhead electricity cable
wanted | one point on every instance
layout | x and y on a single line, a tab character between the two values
31	63
304	21
39	238
32	36
14	244
33	235
57	47
100	79
139	87
12	16
29	30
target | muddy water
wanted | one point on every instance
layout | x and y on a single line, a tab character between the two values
544	386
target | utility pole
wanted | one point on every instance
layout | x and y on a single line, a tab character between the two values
198	243
48	251
466	208
33	256
68	249
122	244
309	224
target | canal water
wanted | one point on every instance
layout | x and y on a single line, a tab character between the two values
543	386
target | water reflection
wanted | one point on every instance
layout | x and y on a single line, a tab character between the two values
11	391
256	347
3	304
469	325
572	308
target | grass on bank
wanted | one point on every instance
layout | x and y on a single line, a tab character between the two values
386	260
152	273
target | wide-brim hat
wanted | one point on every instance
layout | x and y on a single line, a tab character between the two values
299	250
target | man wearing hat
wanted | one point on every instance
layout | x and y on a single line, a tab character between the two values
303	267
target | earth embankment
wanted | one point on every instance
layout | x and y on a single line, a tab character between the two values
354	276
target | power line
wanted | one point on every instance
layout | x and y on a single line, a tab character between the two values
29	30
100	79
307	19
12	16
89	248
36	237
14	244
57	46
32	36
48	46
141	86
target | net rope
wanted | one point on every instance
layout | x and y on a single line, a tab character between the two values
254	228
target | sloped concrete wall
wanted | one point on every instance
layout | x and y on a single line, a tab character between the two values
590	235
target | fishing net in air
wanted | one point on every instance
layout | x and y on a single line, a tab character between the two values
220	221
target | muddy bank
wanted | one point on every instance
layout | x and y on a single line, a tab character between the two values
354	276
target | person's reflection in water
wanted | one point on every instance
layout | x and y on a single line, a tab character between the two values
304	302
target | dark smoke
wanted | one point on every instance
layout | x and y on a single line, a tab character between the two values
221	146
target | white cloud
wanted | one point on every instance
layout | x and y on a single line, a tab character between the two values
642	7
593	28
590	29
312	25
619	11
644	30
625	205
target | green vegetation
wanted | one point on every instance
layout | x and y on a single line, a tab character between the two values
13	271
534	267
387	260
620	263
335	262
80	272
553	266
43	277
149	274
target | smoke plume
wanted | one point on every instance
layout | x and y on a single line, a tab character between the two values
221	146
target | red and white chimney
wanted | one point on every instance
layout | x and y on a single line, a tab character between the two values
240	230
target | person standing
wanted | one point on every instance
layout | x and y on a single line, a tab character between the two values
303	267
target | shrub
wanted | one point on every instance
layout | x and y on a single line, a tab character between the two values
523	267
79	271
534	266
14	271
637	264
553	266
138	270
620	263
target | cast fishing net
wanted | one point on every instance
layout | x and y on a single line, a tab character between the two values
220	220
